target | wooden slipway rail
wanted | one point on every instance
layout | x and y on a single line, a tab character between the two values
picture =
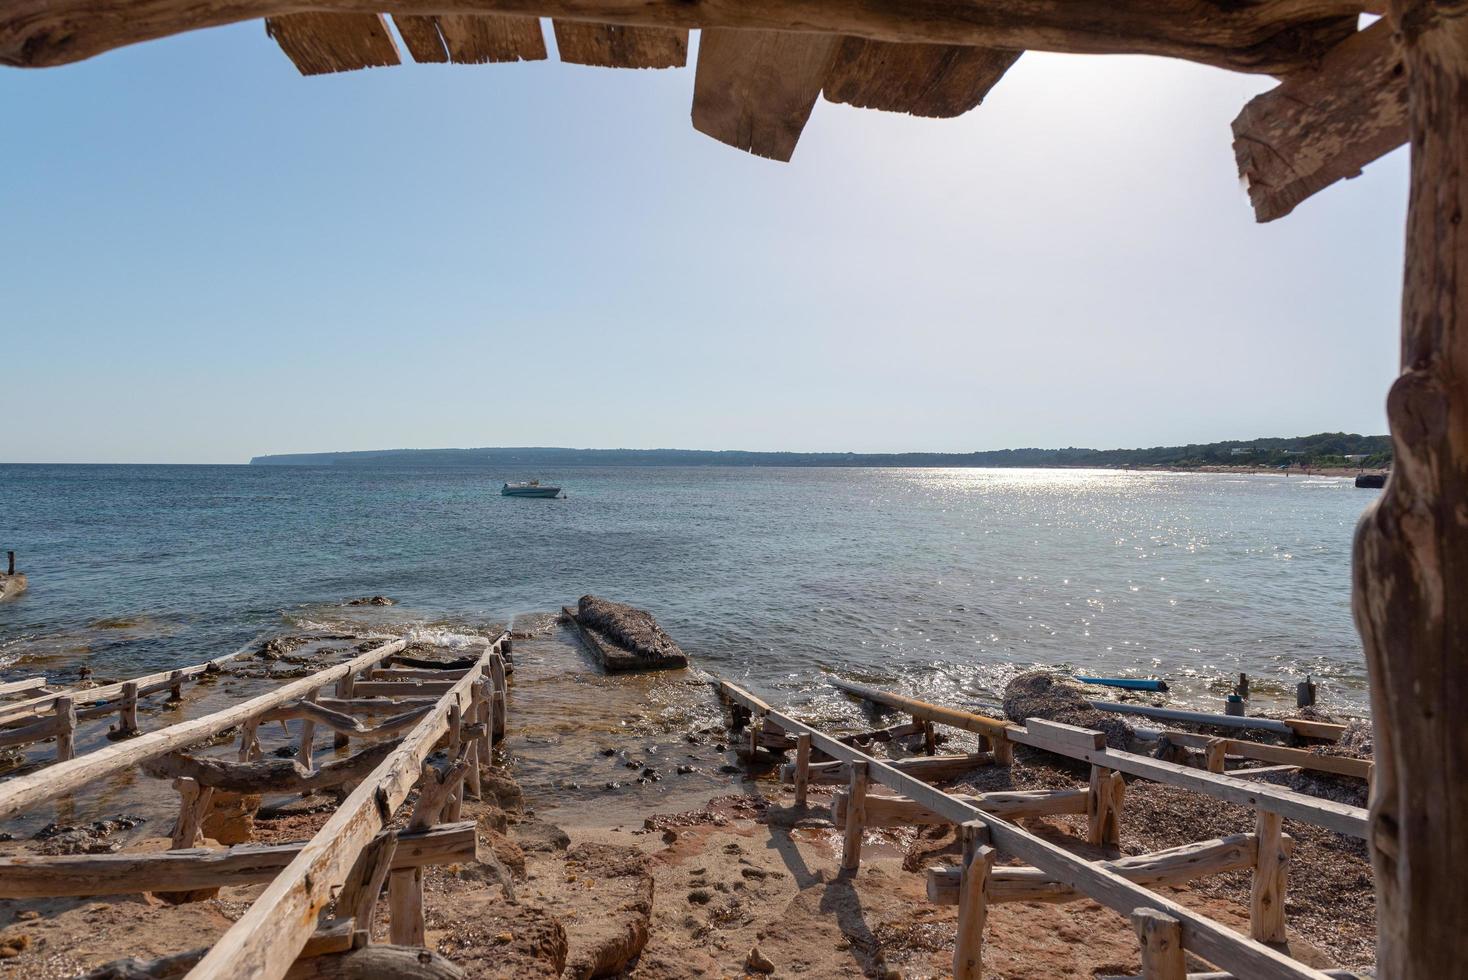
1339	817
347	861
983	832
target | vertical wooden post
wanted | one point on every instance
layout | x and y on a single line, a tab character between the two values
455	804
9	563
250	740
308	735
127	712
501	695
358	898
1214	754
486	718
930	739
193	806
973	901
802	767
65	711
1271	871
344	688
175	689
473	784
1162	945
1003	750
1103	807
856	818
1411	554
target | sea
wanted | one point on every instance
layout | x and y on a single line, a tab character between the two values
940	583
943	583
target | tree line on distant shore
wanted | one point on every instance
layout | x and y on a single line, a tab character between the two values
1321	451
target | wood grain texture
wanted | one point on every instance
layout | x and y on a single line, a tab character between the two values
935	80
320	43
1271	38
754	90
1411	550
619	46
421	37
29	876
479	40
1321	126
1161	937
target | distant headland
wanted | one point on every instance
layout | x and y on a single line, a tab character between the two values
1325	450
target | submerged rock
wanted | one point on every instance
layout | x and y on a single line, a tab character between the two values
1041	694
371	600
624	637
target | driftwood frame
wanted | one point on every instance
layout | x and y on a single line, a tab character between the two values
1100	882
347	860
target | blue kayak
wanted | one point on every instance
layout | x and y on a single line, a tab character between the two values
1130	683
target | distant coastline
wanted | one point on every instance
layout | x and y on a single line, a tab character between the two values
1345	452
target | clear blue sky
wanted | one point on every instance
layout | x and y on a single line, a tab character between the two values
205	257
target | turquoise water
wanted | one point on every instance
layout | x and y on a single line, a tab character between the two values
944	582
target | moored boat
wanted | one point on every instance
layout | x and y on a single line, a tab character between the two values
529	488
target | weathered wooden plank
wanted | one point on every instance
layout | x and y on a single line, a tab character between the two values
65	777
21	686
1320	126
22	711
28	876
321	43
619	46
269	775
899	811
754	90
1173	866
422	38
966	720
934	80
1272	38
1214	942
1341	765
479	40
266	939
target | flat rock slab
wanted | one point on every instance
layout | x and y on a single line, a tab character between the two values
623	637
11	585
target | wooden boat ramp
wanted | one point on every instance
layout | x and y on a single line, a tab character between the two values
885	793
425	730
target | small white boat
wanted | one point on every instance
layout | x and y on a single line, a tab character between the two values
529	488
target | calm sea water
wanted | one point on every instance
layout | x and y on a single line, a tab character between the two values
944	582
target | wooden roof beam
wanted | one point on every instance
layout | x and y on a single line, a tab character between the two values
935	80
755	89
1271	38
322	43
618	46
1321	126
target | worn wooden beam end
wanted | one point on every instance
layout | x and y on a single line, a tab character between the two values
755	90
620	46
1321	126
937	81
323	43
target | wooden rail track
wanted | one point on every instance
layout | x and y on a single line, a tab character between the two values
286	931
1056	873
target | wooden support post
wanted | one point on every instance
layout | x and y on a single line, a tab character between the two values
405	888
357	900
930	738
973	900
802	767
344	691
1162	945
501	696
456	738
1214	752
1411	553
308	735
1267	898
175	687
193	806
1103	807
65	711
856	818
1003	750
127	712
486	718
250	741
